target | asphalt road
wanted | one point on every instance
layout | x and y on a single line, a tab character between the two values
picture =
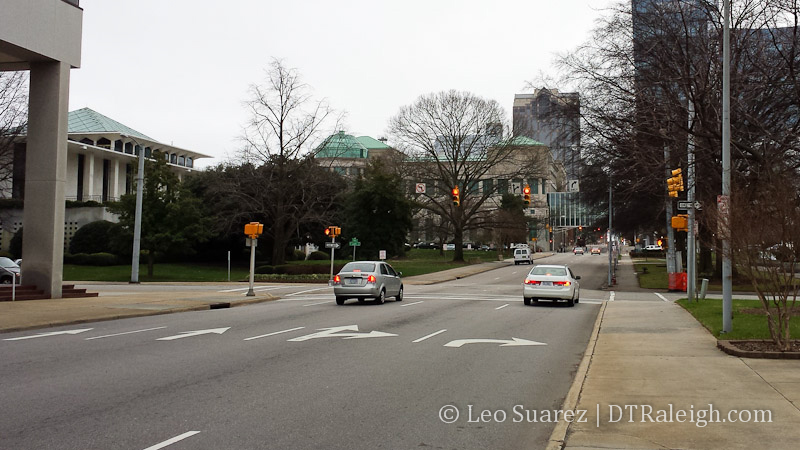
302	372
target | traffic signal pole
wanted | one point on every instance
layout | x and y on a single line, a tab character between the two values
691	253
671	266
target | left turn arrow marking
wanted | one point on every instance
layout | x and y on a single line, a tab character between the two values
52	333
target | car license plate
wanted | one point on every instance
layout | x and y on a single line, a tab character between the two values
354	281
547	283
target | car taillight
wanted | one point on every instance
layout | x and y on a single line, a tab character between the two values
371	279
336	279
561	283
534	282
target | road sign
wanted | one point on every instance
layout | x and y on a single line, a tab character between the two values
420	188
573	186
335	245
354	242
381	254
685	206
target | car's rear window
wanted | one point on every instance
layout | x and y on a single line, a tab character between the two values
549	271
359	267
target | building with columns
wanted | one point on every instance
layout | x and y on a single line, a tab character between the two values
101	164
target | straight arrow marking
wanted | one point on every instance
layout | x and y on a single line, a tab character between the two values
52	333
194	333
332	332
169	442
513	342
127	332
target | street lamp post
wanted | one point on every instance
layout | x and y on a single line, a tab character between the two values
137	218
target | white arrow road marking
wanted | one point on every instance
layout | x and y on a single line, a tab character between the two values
307	290
127	332
194	333
514	342
173	440
332	332
273	334
611	296
51	333
661	297
592	302
501	307
429	336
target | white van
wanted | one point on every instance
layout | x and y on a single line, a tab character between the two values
522	255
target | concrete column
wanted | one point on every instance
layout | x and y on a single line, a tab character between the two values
89	188
45	177
115	180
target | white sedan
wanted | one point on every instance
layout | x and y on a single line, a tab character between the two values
551	282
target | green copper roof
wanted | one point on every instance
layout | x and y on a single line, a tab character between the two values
524	141
341	145
86	120
372	143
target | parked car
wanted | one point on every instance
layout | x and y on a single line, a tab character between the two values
653	248
8	270
522	255
367	279
595	251
551	282
578	251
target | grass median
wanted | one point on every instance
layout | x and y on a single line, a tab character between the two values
416	262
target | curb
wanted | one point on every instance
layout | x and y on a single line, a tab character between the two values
558	436
205	307
729	348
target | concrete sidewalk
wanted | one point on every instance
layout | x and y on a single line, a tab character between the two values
654	357
31	314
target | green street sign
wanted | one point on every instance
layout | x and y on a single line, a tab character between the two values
354	242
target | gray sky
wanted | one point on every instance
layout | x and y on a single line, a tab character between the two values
179	70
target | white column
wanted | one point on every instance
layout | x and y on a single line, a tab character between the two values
89	184
114	185
46	176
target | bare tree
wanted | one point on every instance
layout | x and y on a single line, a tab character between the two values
454	139
278	181
13	119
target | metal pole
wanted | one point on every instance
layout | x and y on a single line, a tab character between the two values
253	242
691	253
610	256
727	305
229	265
671	266
333	250
137	220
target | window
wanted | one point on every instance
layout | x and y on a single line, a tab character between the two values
129	148
104	143
173	158
181	160
189	162
148	152
488	185
502	186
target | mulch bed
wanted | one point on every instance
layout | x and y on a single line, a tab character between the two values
758	349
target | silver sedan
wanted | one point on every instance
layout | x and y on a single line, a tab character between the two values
551	282
367	279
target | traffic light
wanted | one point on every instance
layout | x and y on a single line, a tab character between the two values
680	222
675	183
333	231
456	196
526	195
253	230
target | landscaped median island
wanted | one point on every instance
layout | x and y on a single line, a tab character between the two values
750	336
416	262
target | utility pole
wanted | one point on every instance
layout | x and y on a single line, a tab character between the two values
610	256
727	272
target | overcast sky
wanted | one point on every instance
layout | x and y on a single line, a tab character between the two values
179	70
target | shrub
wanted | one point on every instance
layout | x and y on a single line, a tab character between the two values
299	255
265	269
91	259
15	246
318	256
94	237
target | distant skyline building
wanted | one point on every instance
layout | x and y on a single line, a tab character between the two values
552	118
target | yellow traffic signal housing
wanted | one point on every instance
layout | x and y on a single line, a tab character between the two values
526	195
333	231
456	196
675	183
253	230
680	222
